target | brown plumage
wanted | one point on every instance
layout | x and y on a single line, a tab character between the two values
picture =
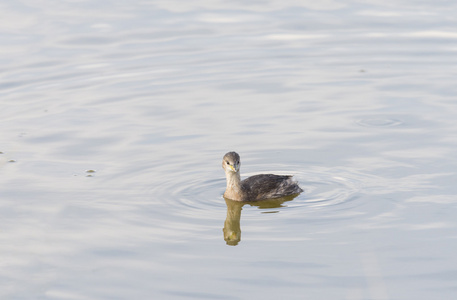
257	187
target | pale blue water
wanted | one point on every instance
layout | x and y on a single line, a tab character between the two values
115	117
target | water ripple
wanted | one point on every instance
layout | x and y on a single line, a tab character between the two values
379	122
199	198
328	193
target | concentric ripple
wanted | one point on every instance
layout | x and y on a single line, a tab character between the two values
328	193
199	198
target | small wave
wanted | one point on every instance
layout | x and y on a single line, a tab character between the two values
379	122
333	191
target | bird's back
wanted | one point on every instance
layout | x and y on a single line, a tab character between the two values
268	186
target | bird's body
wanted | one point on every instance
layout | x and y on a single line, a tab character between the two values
257	187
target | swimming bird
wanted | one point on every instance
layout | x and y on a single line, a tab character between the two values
257	187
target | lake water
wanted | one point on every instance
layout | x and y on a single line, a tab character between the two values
115	116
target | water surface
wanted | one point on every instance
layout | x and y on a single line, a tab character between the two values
115	117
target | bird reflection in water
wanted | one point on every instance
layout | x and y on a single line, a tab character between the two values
232	224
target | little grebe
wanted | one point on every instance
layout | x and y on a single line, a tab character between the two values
257	187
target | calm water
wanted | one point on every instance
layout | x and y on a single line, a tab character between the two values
115	116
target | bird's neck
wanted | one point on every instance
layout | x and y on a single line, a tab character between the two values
233	190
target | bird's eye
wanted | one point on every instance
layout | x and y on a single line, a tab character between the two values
227	163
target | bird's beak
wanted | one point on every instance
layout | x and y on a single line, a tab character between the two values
235	168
